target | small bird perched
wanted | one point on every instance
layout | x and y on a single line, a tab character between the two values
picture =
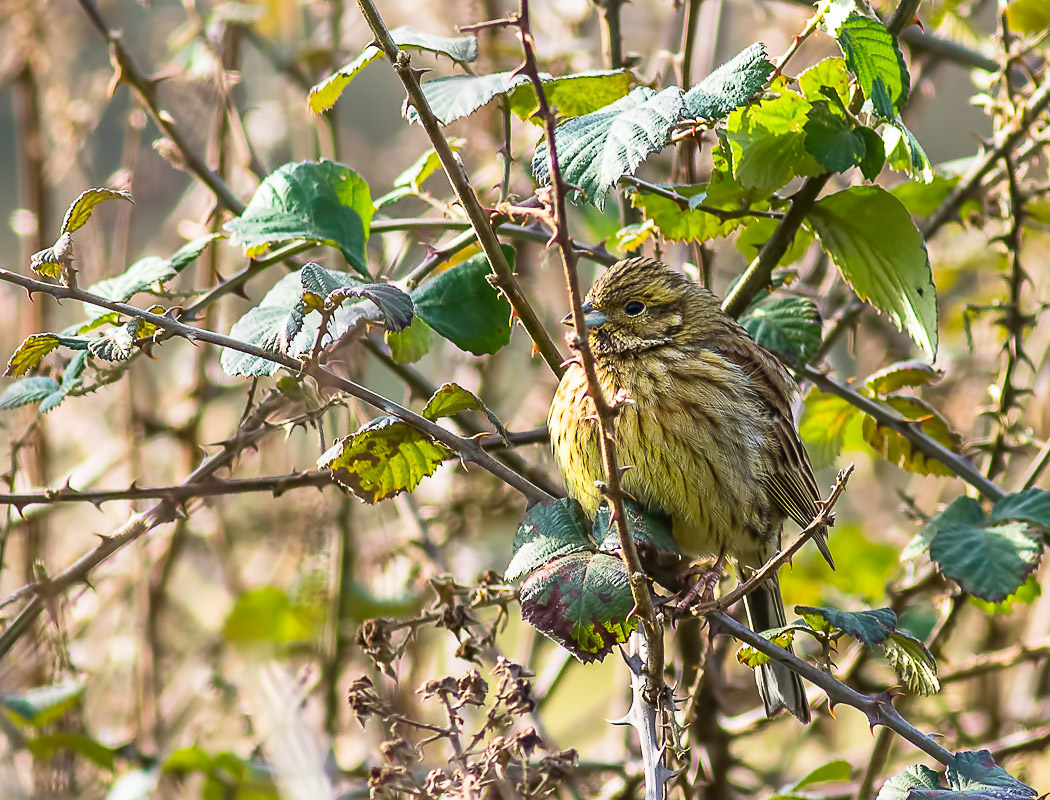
708	434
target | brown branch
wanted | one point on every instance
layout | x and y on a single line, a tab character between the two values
998	660
504	278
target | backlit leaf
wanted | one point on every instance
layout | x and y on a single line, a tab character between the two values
899	450
837	771
450	399
572	95
267	616
33	350
913	663
872	54
823	426
903	373
412	343
768	141
79	212
45	747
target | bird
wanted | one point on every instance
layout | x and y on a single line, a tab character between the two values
706	435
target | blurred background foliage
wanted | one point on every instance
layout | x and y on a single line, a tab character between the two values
190	646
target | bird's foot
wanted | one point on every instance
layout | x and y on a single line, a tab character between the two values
707	579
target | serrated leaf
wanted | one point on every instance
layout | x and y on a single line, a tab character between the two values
872	54
392	302
823	426
597	149
1027	594
456	96
730	86
837	771
582	602
1031	505
831	140
976	774
572	95
913	663
900	786
449	399
548	531
42	705
116	344
768	141
781	637
646	527
872	240
28	390
72	378
461	49
461	305
282	323
874	153
46	746
901	374
870	627
79	212
901	451
963	510
789	326
35	347
904	153
318	201
412	343
824	75
990	562
383	458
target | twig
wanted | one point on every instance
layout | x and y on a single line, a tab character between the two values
504	278
1000	659
684	202
468	449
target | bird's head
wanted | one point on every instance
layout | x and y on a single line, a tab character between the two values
641	303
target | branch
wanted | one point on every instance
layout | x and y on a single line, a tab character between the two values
998	660
684	202
504	278
879	710
888	417
468	449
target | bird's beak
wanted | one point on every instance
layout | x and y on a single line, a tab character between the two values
592	317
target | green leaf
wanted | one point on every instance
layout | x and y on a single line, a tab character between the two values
581	601
1026	595
79	212
646	527
922	199
457	96
449	399
383	458
831	140
412	343
869	627
1028	16
874	153
423	167
901	374
768	141
146	274
823	426
36	346
40	706
990	562
572	95
460	49
913	663
781	637
904	153
597	149
678	224
730	86
899	787
50	261
829	74
872	55
318	201
282	323
789	326
44	748
392	302
461	305
902	452
1031	505
548	531
882	256
837	771
976	774
962	510
28	390
267	616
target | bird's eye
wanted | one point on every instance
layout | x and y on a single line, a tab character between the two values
634	308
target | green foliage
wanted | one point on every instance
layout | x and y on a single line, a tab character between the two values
597	149
882	256
316	201
781	637
873	56
730	86
268	617
900	375
33	350
869	627
50	261
837	771
45	746
410	182
1028	16
572	95
646	528
970	775
412	343
789	326
42	705
225	774
548	531
461	305
901	451
28	390
678	224
922	199
461	49
899	787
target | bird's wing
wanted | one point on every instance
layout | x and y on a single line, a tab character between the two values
791	483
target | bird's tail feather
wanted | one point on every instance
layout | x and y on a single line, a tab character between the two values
778	686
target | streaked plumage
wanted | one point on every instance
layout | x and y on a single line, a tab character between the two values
709	431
